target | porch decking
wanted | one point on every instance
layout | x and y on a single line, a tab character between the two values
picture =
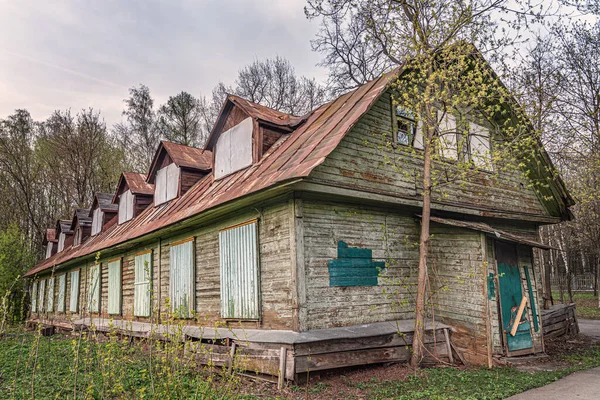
297	353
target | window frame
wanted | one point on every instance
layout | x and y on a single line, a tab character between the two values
126	199
225	274
94	292
34	296
111	308
62	288
74	297
50	294
177	305
138	282
61	242
166	174
97	218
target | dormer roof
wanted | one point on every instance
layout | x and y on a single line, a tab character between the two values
50	236
135	182
81	217
182	156
63	226
260	113
104	202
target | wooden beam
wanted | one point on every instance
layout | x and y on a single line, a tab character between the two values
515	326
282	360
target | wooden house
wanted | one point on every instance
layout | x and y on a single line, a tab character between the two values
298	233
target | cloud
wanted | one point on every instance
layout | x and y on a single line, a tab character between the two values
70	54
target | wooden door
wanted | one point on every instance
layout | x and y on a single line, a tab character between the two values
511	294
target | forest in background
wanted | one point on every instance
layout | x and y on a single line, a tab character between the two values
48	168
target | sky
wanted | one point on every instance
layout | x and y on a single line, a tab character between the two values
79	54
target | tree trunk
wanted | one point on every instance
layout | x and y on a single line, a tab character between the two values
419	334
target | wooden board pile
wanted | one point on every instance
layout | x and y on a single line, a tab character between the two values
560	320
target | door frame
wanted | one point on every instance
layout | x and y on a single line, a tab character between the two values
509	353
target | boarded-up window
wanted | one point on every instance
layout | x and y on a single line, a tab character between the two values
50	299
480	147
234	149
74	295
41	295
239	272
97	221
34	294
49	249
182	279
61	241
78	236
143	278
94	292
125	206
448	137
62	288
114	287
166	185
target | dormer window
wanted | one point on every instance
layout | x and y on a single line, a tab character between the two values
49	249
78	236
126	206
166	184
61	241
233	150
97	221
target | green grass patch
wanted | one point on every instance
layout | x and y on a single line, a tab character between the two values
587	305
480	384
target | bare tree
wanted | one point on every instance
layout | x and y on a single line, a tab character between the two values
139	134
181	120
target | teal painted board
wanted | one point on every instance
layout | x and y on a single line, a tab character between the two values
142	285
354	267
491	287
532	300
511	293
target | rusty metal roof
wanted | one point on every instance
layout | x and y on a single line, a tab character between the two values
104	202
266	114
50	236
294	156
497	233
182	156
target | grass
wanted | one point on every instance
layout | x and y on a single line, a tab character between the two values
587	305
58	367
115	369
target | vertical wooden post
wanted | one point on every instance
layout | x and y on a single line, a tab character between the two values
282	367
447	336
231	357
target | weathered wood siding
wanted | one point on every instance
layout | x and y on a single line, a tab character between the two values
457	273
391	237
366	160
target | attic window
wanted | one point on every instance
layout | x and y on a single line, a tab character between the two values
125	207
166	185
49	249
406	127
78	236
465	141
61	241
97	221
233	150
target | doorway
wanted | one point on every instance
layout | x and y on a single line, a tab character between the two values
511	295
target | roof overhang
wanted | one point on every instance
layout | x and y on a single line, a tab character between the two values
493	232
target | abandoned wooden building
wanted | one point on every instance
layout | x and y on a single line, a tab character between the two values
299	233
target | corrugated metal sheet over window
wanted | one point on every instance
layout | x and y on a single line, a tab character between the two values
143	278
94	293
114	287
239	272
34	295
62	287
74	296
42	295
50	300
181	282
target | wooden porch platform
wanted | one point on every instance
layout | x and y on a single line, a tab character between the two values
270	351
